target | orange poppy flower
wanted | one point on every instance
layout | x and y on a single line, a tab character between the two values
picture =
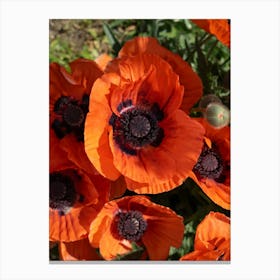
75	196
136	219
212	170
135	128
79	250
212	239
187	77
218	27
69	96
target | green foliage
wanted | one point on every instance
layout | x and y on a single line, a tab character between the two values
53	253
60	53
187	243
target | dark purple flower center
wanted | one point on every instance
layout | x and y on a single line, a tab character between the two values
140	126
209	165
137	127
131	225
62	193
73	115
70	116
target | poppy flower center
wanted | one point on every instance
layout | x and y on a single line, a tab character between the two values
131	225
73	115
57	190
209	165
140	126
62	193
136	127
70	116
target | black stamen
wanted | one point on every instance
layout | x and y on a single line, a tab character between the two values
159	138
59	129
81	198
60	103
62	192
124	104
157	112
112	119
85	99
61	213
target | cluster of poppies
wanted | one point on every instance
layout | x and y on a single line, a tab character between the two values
124	123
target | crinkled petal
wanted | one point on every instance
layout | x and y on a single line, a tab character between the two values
149	79
85	72
78	251
188	78
103	60
215	227
66	227
218	192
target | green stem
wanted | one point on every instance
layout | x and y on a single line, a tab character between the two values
199	43
211	49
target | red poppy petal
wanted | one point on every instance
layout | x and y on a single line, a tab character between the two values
62	84
221	29
201	256
57	156
97	143
214	227
110	247
149	209
103	60
218	27
122	93
101	222
202	23
67	227
96	128
85	72
76	153
77	250
87	215
218	192
151	79
117	188
188	78
161	234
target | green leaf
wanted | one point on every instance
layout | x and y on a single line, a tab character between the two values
112	39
